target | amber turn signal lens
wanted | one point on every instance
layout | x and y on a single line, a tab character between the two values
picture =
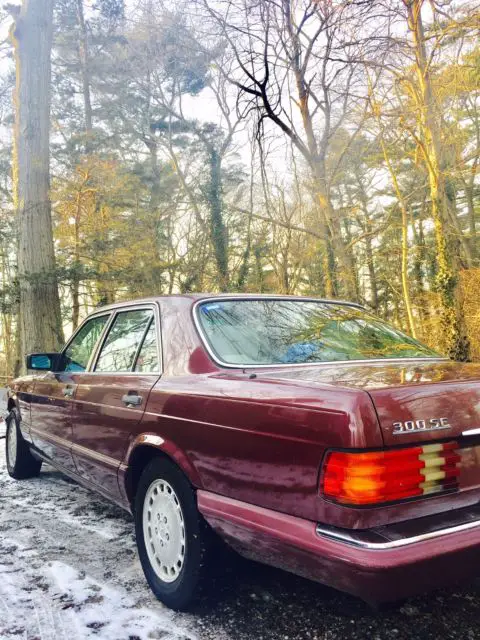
376	477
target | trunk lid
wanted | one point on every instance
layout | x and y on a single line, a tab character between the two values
427	412
416	400
433	400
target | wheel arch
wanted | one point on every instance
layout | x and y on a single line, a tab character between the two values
145	448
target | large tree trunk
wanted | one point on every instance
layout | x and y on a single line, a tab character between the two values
449	246
40	318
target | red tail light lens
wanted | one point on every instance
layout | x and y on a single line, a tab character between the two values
387	476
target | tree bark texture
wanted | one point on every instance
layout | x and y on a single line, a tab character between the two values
40	317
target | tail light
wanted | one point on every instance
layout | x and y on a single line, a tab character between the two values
357	478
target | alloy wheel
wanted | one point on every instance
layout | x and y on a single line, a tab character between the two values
164	530
12	443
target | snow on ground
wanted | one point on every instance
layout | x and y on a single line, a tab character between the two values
68	567
69	571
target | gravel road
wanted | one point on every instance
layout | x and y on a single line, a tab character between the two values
69	571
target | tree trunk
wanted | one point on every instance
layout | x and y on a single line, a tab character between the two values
75	298
345	268
316	158
418	271
7	316
40	317
405	283
84	65
372	275
76	263
260	276
404	211
449	258
245	264
418	256
218	232
469	187
367	226
104	284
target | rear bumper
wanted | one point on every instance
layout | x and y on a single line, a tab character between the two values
376	566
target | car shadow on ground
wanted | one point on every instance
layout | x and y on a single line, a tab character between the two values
250	600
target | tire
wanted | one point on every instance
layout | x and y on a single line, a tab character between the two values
20	462
173	539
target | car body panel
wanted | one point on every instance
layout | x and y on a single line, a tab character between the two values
252	441
458	403
102	423
51	417
405	391
244	440
20	396
293	544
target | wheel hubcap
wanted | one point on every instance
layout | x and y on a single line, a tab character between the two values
164	530
12	443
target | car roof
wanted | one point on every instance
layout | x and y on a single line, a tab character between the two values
196	297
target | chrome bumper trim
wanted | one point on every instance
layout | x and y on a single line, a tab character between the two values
353	537
471	432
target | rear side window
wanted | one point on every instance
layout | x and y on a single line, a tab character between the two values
123	340
80	349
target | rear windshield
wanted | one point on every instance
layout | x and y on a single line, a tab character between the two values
269	332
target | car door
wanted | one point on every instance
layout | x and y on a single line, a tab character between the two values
53	392
111	398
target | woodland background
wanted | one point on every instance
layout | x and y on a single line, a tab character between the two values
328	148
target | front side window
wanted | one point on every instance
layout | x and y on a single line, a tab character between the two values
80	349
269	332
123	340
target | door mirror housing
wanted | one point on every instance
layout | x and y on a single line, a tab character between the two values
43	361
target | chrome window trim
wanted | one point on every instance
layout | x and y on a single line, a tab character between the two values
153	322
349	538
227	365
115	312
100	341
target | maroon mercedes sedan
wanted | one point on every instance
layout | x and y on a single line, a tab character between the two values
306	433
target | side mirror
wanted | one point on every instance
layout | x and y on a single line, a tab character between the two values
43	361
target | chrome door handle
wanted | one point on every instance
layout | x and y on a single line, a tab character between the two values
132	400
68	392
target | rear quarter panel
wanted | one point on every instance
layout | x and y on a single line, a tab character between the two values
258	442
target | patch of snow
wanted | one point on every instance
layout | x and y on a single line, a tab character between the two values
69	568
98	606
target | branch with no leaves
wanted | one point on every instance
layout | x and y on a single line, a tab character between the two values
280	223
